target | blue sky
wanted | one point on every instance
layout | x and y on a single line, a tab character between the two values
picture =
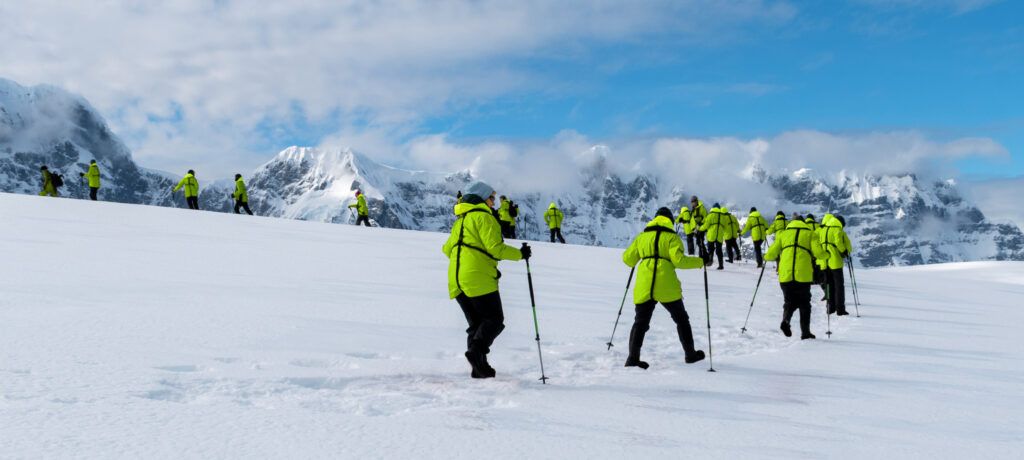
223	87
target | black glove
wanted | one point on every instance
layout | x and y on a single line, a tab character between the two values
525	251
81	174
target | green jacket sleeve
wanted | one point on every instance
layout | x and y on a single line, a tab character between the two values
490	233
819	252
630	257
776	247
447	247
679	258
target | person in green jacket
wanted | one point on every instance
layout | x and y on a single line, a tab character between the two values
689	225
656	254
93	176
241	195
49	188
835	241
191	186
474	249
716	226
361	209
732	248
505	217
698	213
796	248
819	275
758	228
554	216
779	224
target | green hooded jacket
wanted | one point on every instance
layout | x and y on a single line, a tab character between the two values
553	216
778	225
48	188
716	226
757	226
360	205
241	194
686	218
474	249
657	253
191	186
796	248
833	238
93	175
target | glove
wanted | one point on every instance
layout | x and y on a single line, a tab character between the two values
81	174
525	251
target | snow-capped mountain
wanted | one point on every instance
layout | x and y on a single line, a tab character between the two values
44	125
893	220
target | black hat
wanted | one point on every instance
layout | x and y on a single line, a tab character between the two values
841	220
238	176
717	205
42	168
810	216
664	212
191	172
753	209
780	213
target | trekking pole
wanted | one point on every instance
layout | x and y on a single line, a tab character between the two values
853	278
828	314
743	330
536	328
621	305
707	308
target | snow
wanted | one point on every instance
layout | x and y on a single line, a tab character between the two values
138	331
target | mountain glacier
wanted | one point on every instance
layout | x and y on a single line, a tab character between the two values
893	219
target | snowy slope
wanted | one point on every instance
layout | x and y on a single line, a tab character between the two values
132	331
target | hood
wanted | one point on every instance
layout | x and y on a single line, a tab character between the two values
463	208
797	224
552	206
661	221
755	214
830	221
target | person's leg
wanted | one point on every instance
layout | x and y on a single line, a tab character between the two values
682	320
471	318
689	243
238	205
839	283
561	239
245	206
492	321
718	252
830	290
730	244
93	191
641	323
552	231
757	253
789	306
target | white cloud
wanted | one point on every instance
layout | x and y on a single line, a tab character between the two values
998	199
231	68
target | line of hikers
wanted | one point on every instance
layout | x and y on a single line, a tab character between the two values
52	181
507	213
802	248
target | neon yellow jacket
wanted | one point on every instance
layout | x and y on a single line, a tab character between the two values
474	249
553	216
796	248
812	223
686	218
93	175
731	225
757	226
241	194
833	238
191	185
659	252
717	224
699	213
360	205
503	211
778	225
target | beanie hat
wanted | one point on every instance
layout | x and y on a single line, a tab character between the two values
480	189
664	212
752	209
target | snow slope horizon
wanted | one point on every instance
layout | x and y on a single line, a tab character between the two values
170	333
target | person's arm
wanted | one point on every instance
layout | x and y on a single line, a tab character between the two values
776	248
630	257
679	258
490	236
453	239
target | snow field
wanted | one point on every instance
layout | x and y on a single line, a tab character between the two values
134	331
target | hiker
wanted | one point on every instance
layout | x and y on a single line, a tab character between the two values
835	241
715	227
656	253
732	234
819	274
758	228
513	213
689	225
93	176
50	181
458	197
361	208
191	189
504	218
797	249
241	195
553	216
473	249
698	213
779	224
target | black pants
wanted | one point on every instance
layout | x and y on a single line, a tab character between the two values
733	249
239	204
363	219
557	232
797	296
714	248
689	243
757	253
92	192
506	229
642	323
511	232
835	290
486	320
193	202
699	235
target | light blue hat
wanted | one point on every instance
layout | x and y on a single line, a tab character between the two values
480	189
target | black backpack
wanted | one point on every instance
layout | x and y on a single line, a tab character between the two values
513	210
56	180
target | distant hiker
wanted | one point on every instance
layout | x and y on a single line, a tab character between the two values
657	253
732	233
93	176
361	209
779	224
513	212
812	222
689	225
458	197
473	250
758	228
191	189
819	274
553	216
835	241
797	250
698	213
505	218
716	224
241	195
50	182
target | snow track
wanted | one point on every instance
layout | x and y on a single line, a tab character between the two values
133	331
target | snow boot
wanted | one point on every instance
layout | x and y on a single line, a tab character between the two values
841	311
635	362
807	335
479	362
785	329
695	356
